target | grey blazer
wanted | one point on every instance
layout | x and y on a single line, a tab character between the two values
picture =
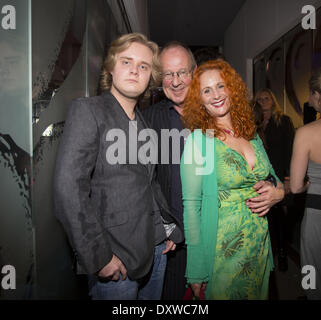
105	208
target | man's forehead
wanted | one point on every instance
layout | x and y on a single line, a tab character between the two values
137	50
175	56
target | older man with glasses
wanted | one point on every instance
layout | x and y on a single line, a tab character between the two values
178	64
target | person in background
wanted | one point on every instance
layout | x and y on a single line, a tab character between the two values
279	134
306	158
228	246
259	119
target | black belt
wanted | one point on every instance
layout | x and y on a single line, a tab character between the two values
313	201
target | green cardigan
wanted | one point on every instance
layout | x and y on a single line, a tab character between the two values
200	199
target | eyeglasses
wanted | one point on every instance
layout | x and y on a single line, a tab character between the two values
182	74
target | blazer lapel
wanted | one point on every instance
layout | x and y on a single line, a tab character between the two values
150	166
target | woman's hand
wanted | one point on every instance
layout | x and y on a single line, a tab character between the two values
196	288
268	197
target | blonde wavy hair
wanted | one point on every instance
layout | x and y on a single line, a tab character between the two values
277	112
120	45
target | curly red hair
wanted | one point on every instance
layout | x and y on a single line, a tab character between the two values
195	115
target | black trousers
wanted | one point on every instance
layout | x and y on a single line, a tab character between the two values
175	282
278	229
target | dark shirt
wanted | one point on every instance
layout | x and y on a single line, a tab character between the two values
176	202
278	142
159	118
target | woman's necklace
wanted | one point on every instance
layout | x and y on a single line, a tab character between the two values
229	132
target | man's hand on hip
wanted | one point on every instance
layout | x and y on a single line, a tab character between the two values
170	246
113	270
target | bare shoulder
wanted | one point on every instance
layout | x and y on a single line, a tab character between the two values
302	137
301	132
309	129
307	137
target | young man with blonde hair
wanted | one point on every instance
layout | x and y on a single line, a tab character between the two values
115	216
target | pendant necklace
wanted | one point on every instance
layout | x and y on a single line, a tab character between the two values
229	132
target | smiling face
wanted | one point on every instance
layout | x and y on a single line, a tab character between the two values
214	94
132	71
175	60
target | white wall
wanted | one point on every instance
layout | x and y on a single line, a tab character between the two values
258	24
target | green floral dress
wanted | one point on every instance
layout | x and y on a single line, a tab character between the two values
243	258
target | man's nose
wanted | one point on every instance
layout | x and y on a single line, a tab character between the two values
134	68
176	79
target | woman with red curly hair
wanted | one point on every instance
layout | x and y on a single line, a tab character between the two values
224	169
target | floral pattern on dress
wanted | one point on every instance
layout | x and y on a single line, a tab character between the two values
242	260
